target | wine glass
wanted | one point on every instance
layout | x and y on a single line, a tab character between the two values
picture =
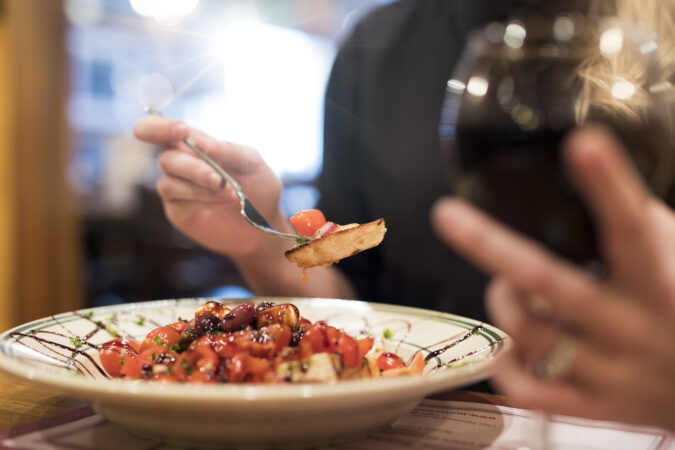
523	85
519	89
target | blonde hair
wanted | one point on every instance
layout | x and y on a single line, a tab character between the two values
652	25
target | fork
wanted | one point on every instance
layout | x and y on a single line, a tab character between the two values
247	211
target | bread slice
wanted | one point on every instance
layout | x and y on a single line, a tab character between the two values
346	241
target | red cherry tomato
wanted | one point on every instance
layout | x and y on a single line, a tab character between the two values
142	367
387	361
280	334
225	346
198	365
319	338
237	369
365	344
308	221
116	353
179	326
257	366
418	364
349	349
167	336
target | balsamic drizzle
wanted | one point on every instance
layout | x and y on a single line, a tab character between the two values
79	366
440	351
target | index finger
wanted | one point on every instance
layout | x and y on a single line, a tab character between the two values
574	295
160	131
619	200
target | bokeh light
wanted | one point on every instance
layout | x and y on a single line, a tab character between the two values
155	90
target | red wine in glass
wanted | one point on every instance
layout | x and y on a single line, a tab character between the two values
518	91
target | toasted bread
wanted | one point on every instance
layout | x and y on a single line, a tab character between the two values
332	247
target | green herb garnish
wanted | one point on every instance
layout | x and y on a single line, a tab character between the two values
175	348
158	341
186	367
76	341
140	321
387	334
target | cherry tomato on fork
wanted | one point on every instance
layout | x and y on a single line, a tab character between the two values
306	222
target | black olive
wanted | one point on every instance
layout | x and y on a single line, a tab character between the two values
207	323
186	338
296	336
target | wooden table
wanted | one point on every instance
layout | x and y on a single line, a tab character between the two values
27	407
22	402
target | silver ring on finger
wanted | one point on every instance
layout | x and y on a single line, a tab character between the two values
558	363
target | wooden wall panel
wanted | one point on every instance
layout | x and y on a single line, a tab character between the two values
47	257
7	192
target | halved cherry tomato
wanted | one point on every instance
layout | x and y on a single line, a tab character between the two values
349	349
167	336
365	344
237	369
257	366
308	221
225	346
319	338
198	365
179	326
388	361
417	364
143	366
280	334
116	353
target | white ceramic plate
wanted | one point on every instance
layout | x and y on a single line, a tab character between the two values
45	352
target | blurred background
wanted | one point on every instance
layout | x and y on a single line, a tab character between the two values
81	224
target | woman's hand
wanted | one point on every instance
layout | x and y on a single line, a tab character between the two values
598	348
195	198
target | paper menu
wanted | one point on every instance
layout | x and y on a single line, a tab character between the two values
433	424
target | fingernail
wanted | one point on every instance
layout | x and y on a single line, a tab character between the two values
180	131
448	212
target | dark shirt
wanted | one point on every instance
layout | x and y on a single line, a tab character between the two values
381	150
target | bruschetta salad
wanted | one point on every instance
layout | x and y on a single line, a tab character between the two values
249	343
329	242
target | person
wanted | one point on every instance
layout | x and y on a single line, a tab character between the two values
381	159
600	348
380	140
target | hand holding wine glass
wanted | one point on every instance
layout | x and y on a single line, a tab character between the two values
559	131
618	331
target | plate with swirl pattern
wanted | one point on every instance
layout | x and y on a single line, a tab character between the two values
61	352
